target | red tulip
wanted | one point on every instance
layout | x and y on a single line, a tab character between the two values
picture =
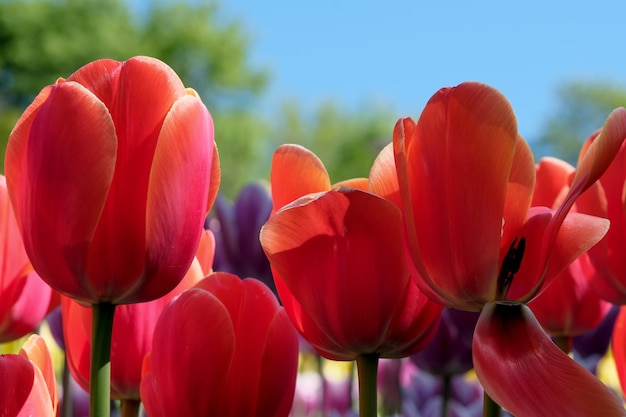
225	348
353	301
24	297
28	383
569	306
111	173
466	181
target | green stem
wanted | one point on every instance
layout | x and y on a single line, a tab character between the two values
445	394
66	404
130	408
100	380
320	370
367	368
490	407
564	343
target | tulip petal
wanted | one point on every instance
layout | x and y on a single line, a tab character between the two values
519	193
216	177
27	394
331	250
383	177
296	171
253	309
403	129
542	263
599	155
280	363
594	161
458	163
569	306
553	175
71	187
357	183
76	335
15	158
177	384
117	256
608	201
36	350
174	221
206	252
526	373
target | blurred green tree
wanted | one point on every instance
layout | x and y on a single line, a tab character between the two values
41	40
582	108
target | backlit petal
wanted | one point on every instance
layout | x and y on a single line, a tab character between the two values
553	175
27	393
526	373
598	156
15	159
72	187
143	95
181	167
383	178
607	256
358	183
296	171
36	350
541	264
458	163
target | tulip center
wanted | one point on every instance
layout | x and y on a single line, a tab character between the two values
510	265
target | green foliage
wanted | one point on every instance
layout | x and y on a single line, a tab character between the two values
583	107
41	40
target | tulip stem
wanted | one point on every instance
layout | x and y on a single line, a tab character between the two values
367	369
130	408
490	407
100	379
66	405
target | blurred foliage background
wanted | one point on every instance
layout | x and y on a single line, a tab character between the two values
41	40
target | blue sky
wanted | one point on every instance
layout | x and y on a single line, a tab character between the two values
398	53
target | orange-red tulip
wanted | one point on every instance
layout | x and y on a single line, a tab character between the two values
466	180
28	383
224	348
24	297
337	259
111	173
569	306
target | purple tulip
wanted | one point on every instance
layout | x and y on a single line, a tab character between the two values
450	351
236	227
591	346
